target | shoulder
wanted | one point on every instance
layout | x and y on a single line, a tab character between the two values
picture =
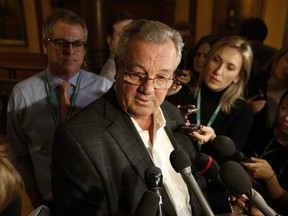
171	112
95	79
30	83
242	106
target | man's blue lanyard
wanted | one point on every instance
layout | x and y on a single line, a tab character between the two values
73	101
198	114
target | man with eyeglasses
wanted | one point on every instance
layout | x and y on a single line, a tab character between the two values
100	156
34	107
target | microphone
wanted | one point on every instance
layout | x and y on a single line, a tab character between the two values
148	204
237	181
181	162
206	166
227	148
154	181
209	168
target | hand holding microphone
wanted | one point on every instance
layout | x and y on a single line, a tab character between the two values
237	181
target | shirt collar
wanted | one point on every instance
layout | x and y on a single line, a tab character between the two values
158	119
54	80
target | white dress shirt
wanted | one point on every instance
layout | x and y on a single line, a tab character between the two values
160	151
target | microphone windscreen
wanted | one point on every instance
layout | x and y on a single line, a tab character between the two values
148	204
206	166
240	157
153	178
235	178
179	159
224	145
153	170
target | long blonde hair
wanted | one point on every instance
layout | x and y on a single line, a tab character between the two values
10	180
234	90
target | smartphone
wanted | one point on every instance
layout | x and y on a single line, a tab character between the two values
191	128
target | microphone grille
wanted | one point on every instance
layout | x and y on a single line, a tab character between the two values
179	159
224	145
206	166
153	170
235	177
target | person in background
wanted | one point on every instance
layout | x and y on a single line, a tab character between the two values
100	156
33	111
187	32
183	75
272	86
222	109
255	30
114	32
270	161
200	53
11	183
219	93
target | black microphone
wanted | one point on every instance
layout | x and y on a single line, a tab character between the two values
154	182
216	191
226	147
237	181
181	162
206	166
148	204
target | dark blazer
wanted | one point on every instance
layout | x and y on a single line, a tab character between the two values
99	160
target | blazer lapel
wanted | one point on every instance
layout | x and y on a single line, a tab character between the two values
125	134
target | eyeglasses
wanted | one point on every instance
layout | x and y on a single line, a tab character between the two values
138	79
61	44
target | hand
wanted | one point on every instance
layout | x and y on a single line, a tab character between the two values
183	76
174	89
257	105
204	134
260	168
241	202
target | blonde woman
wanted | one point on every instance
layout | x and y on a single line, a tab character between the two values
10	202
219	92
222	109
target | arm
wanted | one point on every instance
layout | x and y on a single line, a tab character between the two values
256	104
77	187
18	143
261	169
238	124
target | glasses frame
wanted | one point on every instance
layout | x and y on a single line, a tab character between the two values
143	79
66	44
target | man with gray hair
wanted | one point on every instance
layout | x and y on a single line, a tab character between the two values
100	156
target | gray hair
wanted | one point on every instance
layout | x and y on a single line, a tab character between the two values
65	16
152	31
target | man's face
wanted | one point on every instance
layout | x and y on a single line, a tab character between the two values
113	41
153	60
65	62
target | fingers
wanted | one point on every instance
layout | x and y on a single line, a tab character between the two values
204	134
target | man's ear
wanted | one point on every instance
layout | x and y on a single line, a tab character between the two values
109	39
44	45
117	65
